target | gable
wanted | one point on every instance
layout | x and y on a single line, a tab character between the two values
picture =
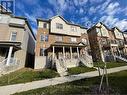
67	28
118	34
103	32
81	44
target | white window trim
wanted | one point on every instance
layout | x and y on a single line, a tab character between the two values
46	26
59	26
11	36
73	28
73	39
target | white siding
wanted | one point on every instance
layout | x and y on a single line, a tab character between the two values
118	34
103	31
125	35
17	21
6	19
41	24
67	29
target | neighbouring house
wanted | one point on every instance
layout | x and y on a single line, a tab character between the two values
62	42
125	43
106	43
119	36
17	43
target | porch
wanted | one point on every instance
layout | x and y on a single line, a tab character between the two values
66	52
7	52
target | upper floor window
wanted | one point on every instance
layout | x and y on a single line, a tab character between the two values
98	30
44	37
45	25
59	26
73	39
73	28
59	38
13	36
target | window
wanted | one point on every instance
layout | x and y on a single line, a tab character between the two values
98	30
73	39
73	28
59	38
59	26
45	25
44	37
42	52
13	36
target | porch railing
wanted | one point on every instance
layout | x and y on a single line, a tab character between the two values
13	65
86	60
60	66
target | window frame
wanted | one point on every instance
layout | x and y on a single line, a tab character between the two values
59	26
12	35
73	28
72	39
45	25
44	38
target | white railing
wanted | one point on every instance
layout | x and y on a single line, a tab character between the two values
12	66
121	58
60	66
86	60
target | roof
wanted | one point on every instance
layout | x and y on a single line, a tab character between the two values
101	24
50	19
68	44
117	29
8	43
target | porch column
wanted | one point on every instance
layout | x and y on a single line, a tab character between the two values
63	51
71	52
53	52
112	53
78	51
119	51
9	55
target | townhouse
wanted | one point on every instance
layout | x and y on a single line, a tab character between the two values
106	44
17	43
125	44
61	40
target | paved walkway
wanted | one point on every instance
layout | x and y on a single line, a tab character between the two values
11	89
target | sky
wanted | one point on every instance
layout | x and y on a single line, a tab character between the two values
84	12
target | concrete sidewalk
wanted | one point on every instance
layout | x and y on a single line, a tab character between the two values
11	89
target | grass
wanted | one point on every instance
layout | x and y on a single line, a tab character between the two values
117	83
110	64
27	75
78	70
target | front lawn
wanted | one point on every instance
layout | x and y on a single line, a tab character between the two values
78	70
110	64
117	83
27	75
